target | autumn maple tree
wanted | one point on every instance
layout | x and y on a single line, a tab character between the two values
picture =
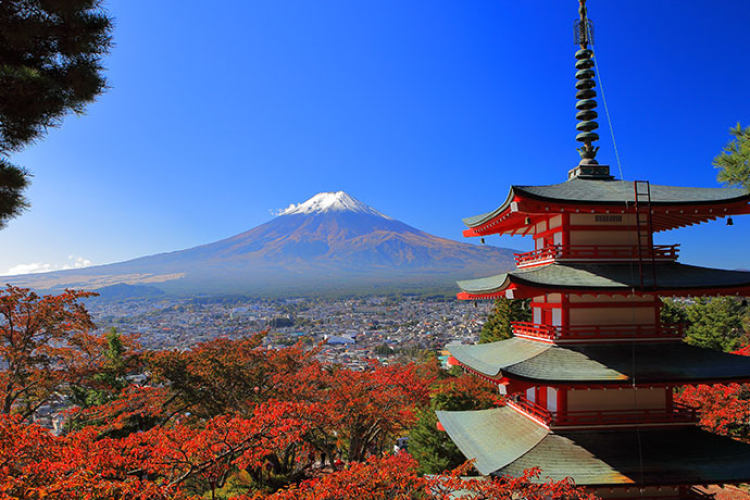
355	412
723	408
395	477
135	409
163	462
225	419
369	409
225	375
390	477
45	342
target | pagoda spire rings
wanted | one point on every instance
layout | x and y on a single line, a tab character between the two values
586	105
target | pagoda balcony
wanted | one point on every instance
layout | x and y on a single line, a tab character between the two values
588	253
664	331
678	414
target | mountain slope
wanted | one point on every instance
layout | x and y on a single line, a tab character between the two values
331	241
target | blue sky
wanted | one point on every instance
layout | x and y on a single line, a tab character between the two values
427	110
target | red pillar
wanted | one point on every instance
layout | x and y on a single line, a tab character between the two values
541	396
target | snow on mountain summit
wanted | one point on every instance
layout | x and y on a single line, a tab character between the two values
338	201
331	242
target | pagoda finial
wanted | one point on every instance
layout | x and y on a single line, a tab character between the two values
585	88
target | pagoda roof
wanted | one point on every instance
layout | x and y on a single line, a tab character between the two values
495	437
504	442
605	363
614	277
579	192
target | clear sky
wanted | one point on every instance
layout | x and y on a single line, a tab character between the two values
425	109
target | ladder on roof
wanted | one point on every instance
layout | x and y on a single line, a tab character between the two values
644	228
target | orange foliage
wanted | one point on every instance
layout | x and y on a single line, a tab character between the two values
724	409
224	407
395	477
136	408
225	375
45	342
369	408
153	464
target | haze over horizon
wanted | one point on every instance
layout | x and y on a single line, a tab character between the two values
330	243
425	111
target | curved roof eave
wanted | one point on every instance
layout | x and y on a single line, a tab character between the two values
670	276
492	357
501	442
478	220
494	438
643	457
612	192
601	363
591	191
490	284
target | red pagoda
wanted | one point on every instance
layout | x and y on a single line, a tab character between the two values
589	382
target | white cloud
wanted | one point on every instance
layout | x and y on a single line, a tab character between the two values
281	211
73	262
34	267
76	262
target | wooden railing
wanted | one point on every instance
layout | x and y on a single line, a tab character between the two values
586	332
536	330
678	414
596	252
530	408
539	255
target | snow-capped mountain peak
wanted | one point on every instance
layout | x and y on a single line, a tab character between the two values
338	201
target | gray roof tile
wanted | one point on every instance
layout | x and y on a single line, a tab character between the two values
503	442
639	362
495	437
645	457
669	276
597	191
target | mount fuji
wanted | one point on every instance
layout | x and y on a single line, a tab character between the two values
329	243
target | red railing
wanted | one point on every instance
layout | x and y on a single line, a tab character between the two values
584	332
596	252
535	330
678	414
530	408
541	254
